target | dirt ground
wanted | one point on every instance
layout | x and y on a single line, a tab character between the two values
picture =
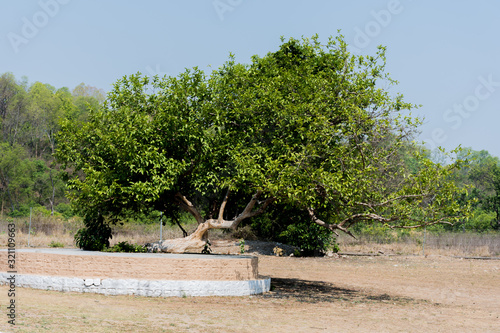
329	294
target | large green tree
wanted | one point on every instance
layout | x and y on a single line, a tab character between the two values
309	126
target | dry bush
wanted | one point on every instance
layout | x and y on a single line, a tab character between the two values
44	230
474	244
420	242
243	233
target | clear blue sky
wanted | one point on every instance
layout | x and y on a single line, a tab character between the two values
446	54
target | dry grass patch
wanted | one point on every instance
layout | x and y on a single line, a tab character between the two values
353	294
445	243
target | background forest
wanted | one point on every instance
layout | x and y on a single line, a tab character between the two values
29	120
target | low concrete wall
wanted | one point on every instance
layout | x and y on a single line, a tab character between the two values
145	274
151	266
155	288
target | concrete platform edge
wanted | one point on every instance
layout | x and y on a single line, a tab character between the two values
151	288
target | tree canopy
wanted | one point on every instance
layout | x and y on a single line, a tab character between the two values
308	126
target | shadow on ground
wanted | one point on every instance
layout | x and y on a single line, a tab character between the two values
318	291
267	248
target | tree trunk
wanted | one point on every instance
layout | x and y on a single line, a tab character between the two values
192	243
198	239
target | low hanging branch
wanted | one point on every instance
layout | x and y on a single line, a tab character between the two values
346	223
443	220
185	204
248	212
330	226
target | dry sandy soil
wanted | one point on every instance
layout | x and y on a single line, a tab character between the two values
330	294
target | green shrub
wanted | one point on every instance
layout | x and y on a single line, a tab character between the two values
21	211
242	246
126	247
56	244
206	248
311	238
65	210
289	225
95	235
40	211
335	246
481	222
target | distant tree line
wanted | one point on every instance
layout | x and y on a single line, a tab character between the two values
482	172
30	115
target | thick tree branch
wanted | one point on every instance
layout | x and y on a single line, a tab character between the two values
441	220
247	213
345	224
330	226
185	204
365	217
223	206
266	203
248	209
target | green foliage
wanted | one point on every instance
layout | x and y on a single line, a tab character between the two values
56	244
290	225
309	237
15	170
95	235
481	221
242	245
29	121
335	247
483	174
40	211
126	247
65	210
20	211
